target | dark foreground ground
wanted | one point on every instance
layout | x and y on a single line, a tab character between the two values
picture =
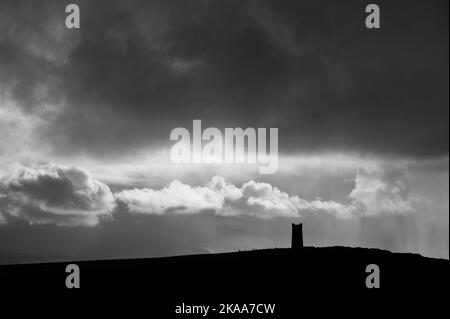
326	281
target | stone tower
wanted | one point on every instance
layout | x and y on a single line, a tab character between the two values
297	236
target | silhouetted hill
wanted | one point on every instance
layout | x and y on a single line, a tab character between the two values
318	279
17	258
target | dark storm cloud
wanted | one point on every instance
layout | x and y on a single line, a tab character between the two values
54	195
31	49
137	69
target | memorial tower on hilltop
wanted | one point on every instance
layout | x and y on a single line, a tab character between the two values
297	236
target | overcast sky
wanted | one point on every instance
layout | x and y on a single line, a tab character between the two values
86	114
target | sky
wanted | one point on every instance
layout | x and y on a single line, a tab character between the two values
86	114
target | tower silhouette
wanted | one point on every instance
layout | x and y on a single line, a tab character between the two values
297	236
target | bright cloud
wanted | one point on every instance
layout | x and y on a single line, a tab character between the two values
374	193
381	191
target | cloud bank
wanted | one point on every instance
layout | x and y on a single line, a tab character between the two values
375	193
51	194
